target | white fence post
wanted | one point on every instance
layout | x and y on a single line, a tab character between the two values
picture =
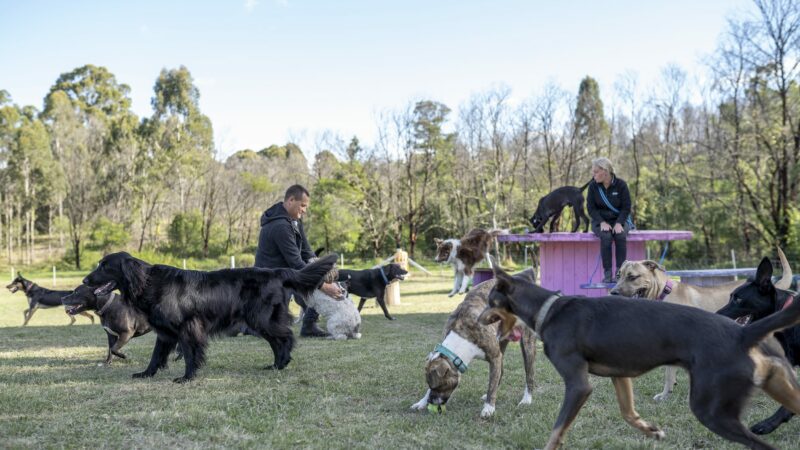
733	258
184	263
342	265
233	262
12	273
54	276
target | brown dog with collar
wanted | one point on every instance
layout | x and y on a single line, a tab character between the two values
466	339
647	279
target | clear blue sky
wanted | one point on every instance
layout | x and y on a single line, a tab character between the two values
271	70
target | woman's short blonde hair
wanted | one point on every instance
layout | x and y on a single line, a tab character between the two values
603	163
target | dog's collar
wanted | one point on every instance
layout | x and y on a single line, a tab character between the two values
788	302
383	274
667	290
543	312
458	362
111	298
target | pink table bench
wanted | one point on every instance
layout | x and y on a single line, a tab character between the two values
567	260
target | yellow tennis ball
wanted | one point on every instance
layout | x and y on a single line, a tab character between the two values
433	409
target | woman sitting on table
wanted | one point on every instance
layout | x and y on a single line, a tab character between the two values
608	202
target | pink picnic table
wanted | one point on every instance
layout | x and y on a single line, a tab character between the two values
567	260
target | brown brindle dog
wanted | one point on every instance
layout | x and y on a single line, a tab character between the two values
617	337
464	254
465	339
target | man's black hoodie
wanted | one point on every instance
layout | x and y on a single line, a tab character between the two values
282	241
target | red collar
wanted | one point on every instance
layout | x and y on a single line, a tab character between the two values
789	301
667	290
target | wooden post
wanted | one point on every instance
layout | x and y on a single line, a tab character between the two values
393	289
54	276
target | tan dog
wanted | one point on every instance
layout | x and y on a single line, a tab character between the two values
466	339
648	279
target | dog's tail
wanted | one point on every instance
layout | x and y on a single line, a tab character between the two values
786	278
756	331
310	277
583	188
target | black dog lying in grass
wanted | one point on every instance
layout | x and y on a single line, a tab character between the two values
39	297
553	203
623	338
370	283
119	319
754	302
186	307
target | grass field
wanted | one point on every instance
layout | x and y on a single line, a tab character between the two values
351	394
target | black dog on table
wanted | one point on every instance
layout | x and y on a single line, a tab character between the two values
616	337
370	283
185	307
553	203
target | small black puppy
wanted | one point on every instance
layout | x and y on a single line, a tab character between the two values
120	320
370	283
553	203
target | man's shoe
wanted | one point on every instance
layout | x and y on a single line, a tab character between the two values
312	331
607	276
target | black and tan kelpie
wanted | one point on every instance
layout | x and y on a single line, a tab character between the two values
623	338
39	297
120	320
754	301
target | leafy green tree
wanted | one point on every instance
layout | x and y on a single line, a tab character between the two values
108	236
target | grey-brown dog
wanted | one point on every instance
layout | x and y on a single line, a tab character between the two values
466	339
649	280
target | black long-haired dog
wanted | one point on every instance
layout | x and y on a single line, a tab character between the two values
185	307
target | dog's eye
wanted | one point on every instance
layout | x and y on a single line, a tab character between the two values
632	277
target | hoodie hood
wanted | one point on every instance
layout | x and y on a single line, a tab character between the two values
275	212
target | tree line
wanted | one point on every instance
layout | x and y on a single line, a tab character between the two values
720	157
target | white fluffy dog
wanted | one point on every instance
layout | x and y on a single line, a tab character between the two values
343	320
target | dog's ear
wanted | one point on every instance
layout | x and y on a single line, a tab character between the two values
133	275
489	316
651	265
764	274
505	282
441	370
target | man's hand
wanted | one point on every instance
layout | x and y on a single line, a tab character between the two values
604	226
332	290
618	228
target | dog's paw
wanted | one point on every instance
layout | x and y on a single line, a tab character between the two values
144	374
764	427
357	336
420	405
526	398
451	294
487	411
391	317
662	397
484	397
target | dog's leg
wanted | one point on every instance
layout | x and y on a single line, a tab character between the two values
577	218
423	402
273	327
719	410
159	358
71	318
554	220
111	341
782	387
495	374
86	314
30	314
624	390
193	341
25	317
528	347
465	277
361	303
574	371
457	282
123	339
670	374
381	299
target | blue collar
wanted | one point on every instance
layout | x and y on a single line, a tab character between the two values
458	362
383	274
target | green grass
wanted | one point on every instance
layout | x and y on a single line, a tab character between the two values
334	394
